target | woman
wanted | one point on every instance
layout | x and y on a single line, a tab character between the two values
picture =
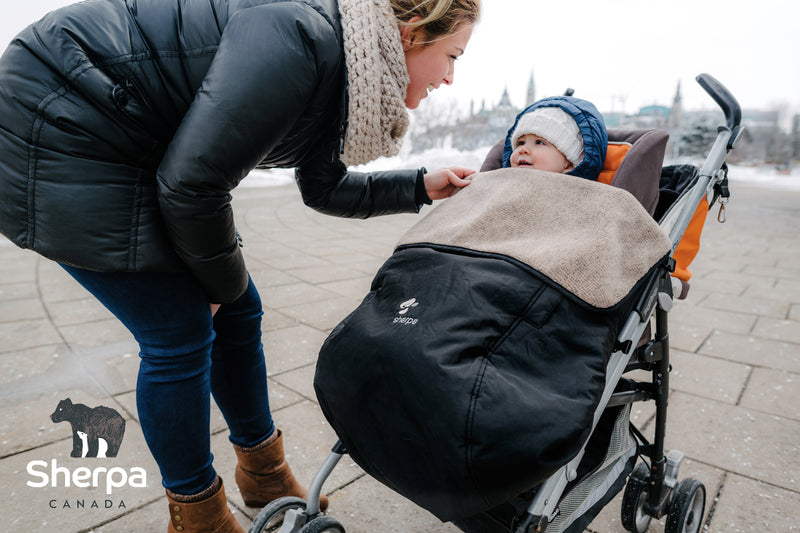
123	128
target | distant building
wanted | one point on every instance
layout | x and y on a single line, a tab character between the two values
530	96
482	128
754	119
675	119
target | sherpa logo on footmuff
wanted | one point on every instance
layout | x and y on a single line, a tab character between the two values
404	307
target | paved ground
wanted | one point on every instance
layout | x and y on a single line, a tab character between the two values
734	411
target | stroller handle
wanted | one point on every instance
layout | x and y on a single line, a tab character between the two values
723	97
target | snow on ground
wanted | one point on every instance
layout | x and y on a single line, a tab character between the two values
757	176
764	177
430	159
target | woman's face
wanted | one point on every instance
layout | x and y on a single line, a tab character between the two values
431	65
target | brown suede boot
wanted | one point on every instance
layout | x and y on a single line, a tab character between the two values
264	475
206	512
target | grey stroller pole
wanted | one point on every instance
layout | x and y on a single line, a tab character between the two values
296	515
315	489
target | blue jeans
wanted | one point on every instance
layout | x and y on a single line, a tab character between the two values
185	355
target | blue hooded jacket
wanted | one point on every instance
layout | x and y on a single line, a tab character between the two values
592	127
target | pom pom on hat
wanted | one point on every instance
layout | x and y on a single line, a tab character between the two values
557	127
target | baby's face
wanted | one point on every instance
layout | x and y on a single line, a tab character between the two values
534	152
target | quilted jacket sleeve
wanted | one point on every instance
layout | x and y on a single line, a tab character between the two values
327	186
260	81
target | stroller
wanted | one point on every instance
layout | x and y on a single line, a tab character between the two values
570	467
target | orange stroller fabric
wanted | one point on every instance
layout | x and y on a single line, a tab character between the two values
690	243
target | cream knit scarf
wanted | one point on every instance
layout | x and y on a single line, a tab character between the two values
377	77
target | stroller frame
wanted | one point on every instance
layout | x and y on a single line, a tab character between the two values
652	491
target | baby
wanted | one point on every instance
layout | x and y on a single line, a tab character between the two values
558	134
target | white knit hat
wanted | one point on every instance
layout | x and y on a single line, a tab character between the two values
557	127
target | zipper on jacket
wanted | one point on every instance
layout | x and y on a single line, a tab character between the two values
344	118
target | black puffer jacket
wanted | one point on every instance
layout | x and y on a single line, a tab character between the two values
125	124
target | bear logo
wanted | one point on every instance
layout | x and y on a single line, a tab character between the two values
92	426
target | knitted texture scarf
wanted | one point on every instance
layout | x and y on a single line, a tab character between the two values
377	80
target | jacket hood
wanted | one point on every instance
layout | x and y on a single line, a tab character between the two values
591	125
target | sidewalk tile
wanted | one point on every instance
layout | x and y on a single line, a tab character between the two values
785	269
324	315
24	309
273	320
19	274
732	322
367	506
20	365
708	377
59	286
736	439
779	330
359	287
294	294
71	312
756	279
716	285
748	505
773	391
17	291
25	334
754	351
94	334
747	305
268	277
299	381
293	347
784	290
296	260
687	336
325	274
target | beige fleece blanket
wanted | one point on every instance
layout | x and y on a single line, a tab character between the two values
594	240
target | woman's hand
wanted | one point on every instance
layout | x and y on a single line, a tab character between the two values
214	308
444	182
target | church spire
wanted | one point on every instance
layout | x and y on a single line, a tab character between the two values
505	101
531	95
675	120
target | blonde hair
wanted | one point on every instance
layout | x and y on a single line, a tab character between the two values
438	18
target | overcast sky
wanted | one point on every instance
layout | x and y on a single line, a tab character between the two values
636	51
621	54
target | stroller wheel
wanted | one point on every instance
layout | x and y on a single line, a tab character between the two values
634	518
323	524
686	509
270	517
